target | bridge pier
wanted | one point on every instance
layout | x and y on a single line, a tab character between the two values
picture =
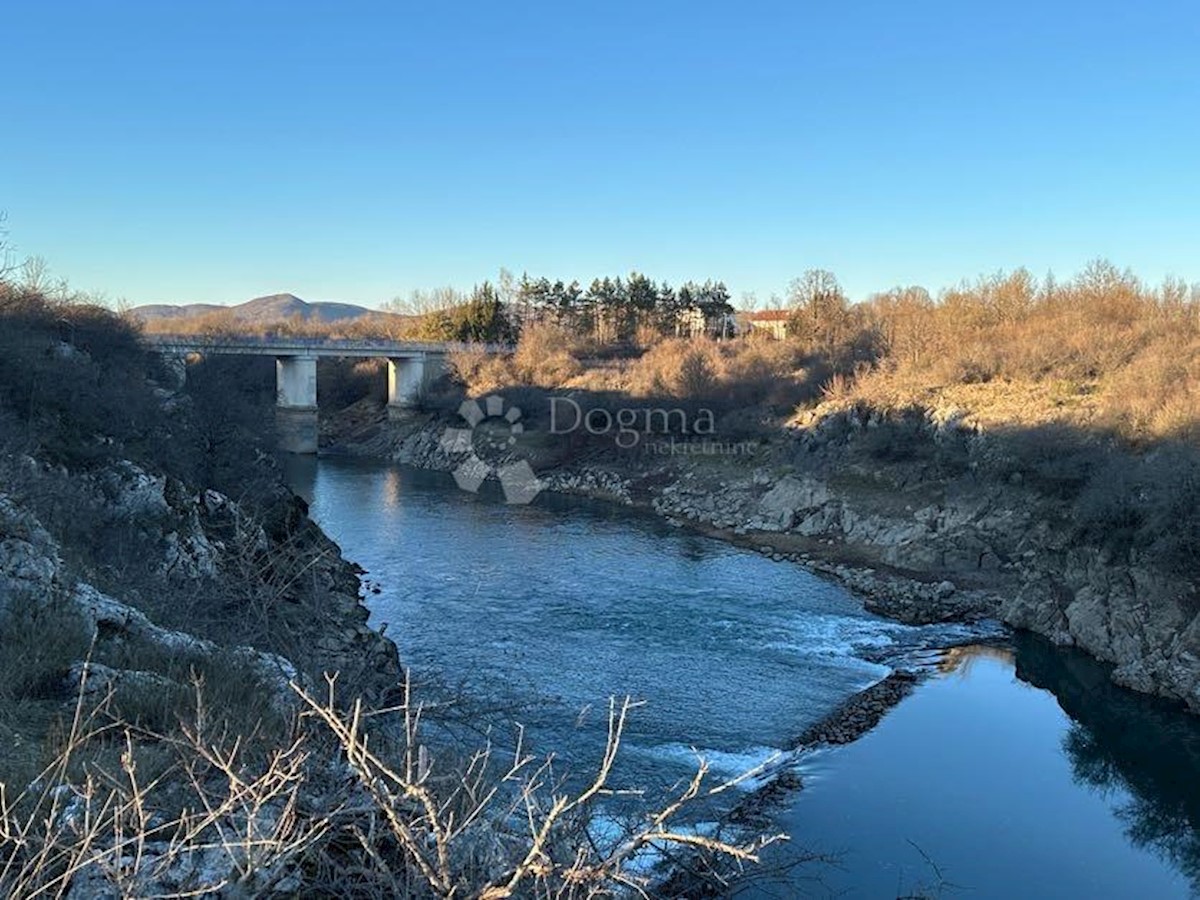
296	403
175	368
412	365
406	378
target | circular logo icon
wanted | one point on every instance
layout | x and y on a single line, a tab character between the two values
487	443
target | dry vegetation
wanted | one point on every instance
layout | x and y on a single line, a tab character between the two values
1087	390
338	807
751	371
1102	350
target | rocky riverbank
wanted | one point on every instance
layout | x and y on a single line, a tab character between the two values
181	623
202	548
916	545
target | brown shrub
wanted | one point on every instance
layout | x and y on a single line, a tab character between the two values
480	371
1139	345
547	355
696	378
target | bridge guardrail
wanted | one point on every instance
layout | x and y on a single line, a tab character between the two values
307	346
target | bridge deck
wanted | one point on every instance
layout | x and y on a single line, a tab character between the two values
294	346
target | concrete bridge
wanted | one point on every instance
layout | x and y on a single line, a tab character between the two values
411	365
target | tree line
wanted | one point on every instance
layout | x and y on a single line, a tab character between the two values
616	309
608	310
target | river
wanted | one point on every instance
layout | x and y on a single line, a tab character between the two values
1014	770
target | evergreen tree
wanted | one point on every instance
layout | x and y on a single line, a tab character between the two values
482	318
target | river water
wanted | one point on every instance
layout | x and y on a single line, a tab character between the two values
1012	771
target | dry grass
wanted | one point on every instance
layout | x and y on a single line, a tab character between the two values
39	645
481	371
732	373
748	371
1101	351
548	355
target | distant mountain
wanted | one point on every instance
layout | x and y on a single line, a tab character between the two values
167	311
259	311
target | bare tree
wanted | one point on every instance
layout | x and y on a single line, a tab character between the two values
820	310
6	250
422	302
35	275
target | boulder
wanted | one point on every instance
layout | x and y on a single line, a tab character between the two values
29	559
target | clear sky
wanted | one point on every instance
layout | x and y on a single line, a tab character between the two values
212	151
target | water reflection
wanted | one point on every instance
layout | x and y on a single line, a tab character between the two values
1009	773
962	660
300	473
391	489
1121	742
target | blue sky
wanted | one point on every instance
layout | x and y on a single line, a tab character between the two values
171	152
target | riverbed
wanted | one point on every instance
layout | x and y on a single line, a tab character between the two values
999	776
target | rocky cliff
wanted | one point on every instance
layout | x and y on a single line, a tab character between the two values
233	575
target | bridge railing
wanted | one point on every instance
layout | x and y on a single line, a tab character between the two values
306	345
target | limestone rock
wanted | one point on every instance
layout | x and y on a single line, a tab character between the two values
29	560
131	492
111	617
779	507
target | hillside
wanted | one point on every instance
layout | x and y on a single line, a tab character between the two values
259	311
